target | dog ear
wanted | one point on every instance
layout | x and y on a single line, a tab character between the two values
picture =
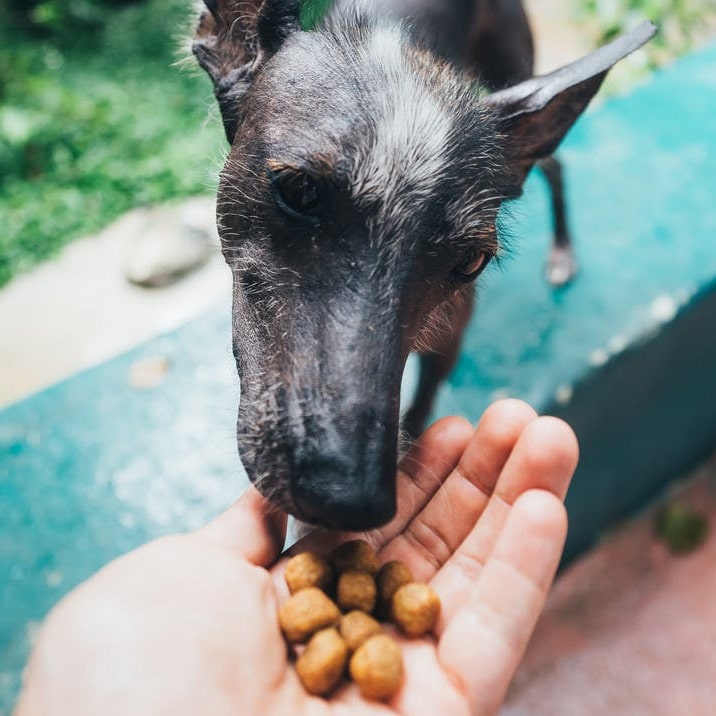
535	115
232	41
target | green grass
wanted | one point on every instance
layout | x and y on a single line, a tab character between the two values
91	130
680	19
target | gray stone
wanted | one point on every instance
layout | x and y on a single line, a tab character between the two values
170	242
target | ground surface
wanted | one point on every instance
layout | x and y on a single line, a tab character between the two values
79	309
630	629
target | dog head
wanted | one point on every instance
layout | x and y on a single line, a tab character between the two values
359	198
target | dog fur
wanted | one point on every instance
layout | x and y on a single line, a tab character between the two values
357	207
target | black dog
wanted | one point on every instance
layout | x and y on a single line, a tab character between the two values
356	209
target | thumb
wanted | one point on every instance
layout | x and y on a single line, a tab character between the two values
251	527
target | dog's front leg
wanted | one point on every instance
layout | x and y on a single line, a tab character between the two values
562	262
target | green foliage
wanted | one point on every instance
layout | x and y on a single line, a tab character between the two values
312	11
682	529
61	19
680	21
92	128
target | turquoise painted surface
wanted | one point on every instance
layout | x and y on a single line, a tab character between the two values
93	467
641	178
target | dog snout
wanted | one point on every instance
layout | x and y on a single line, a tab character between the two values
346	479
330	493
341	482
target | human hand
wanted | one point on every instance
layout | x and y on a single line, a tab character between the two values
188	624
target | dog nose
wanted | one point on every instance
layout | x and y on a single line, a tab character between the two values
326	493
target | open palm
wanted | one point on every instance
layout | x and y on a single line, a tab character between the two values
188	624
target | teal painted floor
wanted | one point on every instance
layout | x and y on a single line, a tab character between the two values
641	177
92	467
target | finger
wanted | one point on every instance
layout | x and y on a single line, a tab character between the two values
424	469
544	457
431	537
427	689
420	473
251	527
484	642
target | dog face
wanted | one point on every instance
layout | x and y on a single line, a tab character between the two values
359	197
357	205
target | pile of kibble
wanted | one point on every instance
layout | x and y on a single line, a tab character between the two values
335	607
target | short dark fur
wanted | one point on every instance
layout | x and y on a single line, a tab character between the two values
353	241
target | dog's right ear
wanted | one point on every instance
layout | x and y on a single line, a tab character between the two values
233	39
535	115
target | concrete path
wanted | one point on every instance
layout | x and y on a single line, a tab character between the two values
79	310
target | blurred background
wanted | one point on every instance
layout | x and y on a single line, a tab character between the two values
117	387
96	119
99	113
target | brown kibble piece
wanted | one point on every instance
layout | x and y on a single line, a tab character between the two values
390	577
305	613
323	662
356	590
415	608
356	554
377	668
308	570
357	627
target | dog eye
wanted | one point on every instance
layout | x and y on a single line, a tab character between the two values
296	194
471	268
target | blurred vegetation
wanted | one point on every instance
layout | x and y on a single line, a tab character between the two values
682	23
95	119
682	529
312	11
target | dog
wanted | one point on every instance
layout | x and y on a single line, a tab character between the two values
357	207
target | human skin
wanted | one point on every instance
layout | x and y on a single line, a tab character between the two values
188	624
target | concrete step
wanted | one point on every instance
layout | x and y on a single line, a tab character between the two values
79	310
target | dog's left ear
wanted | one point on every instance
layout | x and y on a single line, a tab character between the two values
233	40
535	115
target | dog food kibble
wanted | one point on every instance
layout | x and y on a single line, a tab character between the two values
308	570
377	668
356	590
390	577
305	613
356	554
357	627
321	666
415	608
309	615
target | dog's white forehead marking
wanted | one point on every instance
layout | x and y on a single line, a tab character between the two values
408	153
